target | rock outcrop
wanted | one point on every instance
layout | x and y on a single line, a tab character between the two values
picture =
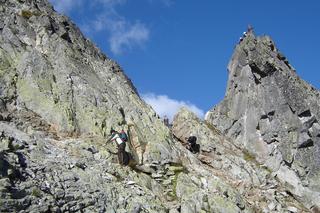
256	185
273	114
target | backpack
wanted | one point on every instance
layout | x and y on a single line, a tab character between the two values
123	136
192	139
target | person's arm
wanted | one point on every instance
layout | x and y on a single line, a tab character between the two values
113	137
109	140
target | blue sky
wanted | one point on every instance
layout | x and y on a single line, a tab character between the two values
176	51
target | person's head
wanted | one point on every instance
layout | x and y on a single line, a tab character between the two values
250	29
112	131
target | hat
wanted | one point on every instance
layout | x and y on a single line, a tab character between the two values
112	130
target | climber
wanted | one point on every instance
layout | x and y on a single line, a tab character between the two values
123	157
192	145
250	29
166	121
123	135
244	34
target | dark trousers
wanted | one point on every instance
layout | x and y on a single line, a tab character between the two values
121	153
194	148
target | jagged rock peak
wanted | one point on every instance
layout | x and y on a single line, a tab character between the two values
269	111
260	55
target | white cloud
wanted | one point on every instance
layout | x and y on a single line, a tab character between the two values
127	36
167	3
122	34
109	3
164	105
65	6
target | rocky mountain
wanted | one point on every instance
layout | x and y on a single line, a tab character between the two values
60	96
274	115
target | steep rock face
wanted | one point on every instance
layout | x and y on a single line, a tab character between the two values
49	68
255	183
269	111
59	98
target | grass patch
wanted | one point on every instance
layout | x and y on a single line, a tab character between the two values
36	192
248	156
175	179
174	185
267	169
13	148
212	128
26	14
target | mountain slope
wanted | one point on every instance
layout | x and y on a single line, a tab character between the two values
49	68
59	98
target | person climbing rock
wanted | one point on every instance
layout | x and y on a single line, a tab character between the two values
166	121
244	34
123	135
123	157
249	29
192	144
